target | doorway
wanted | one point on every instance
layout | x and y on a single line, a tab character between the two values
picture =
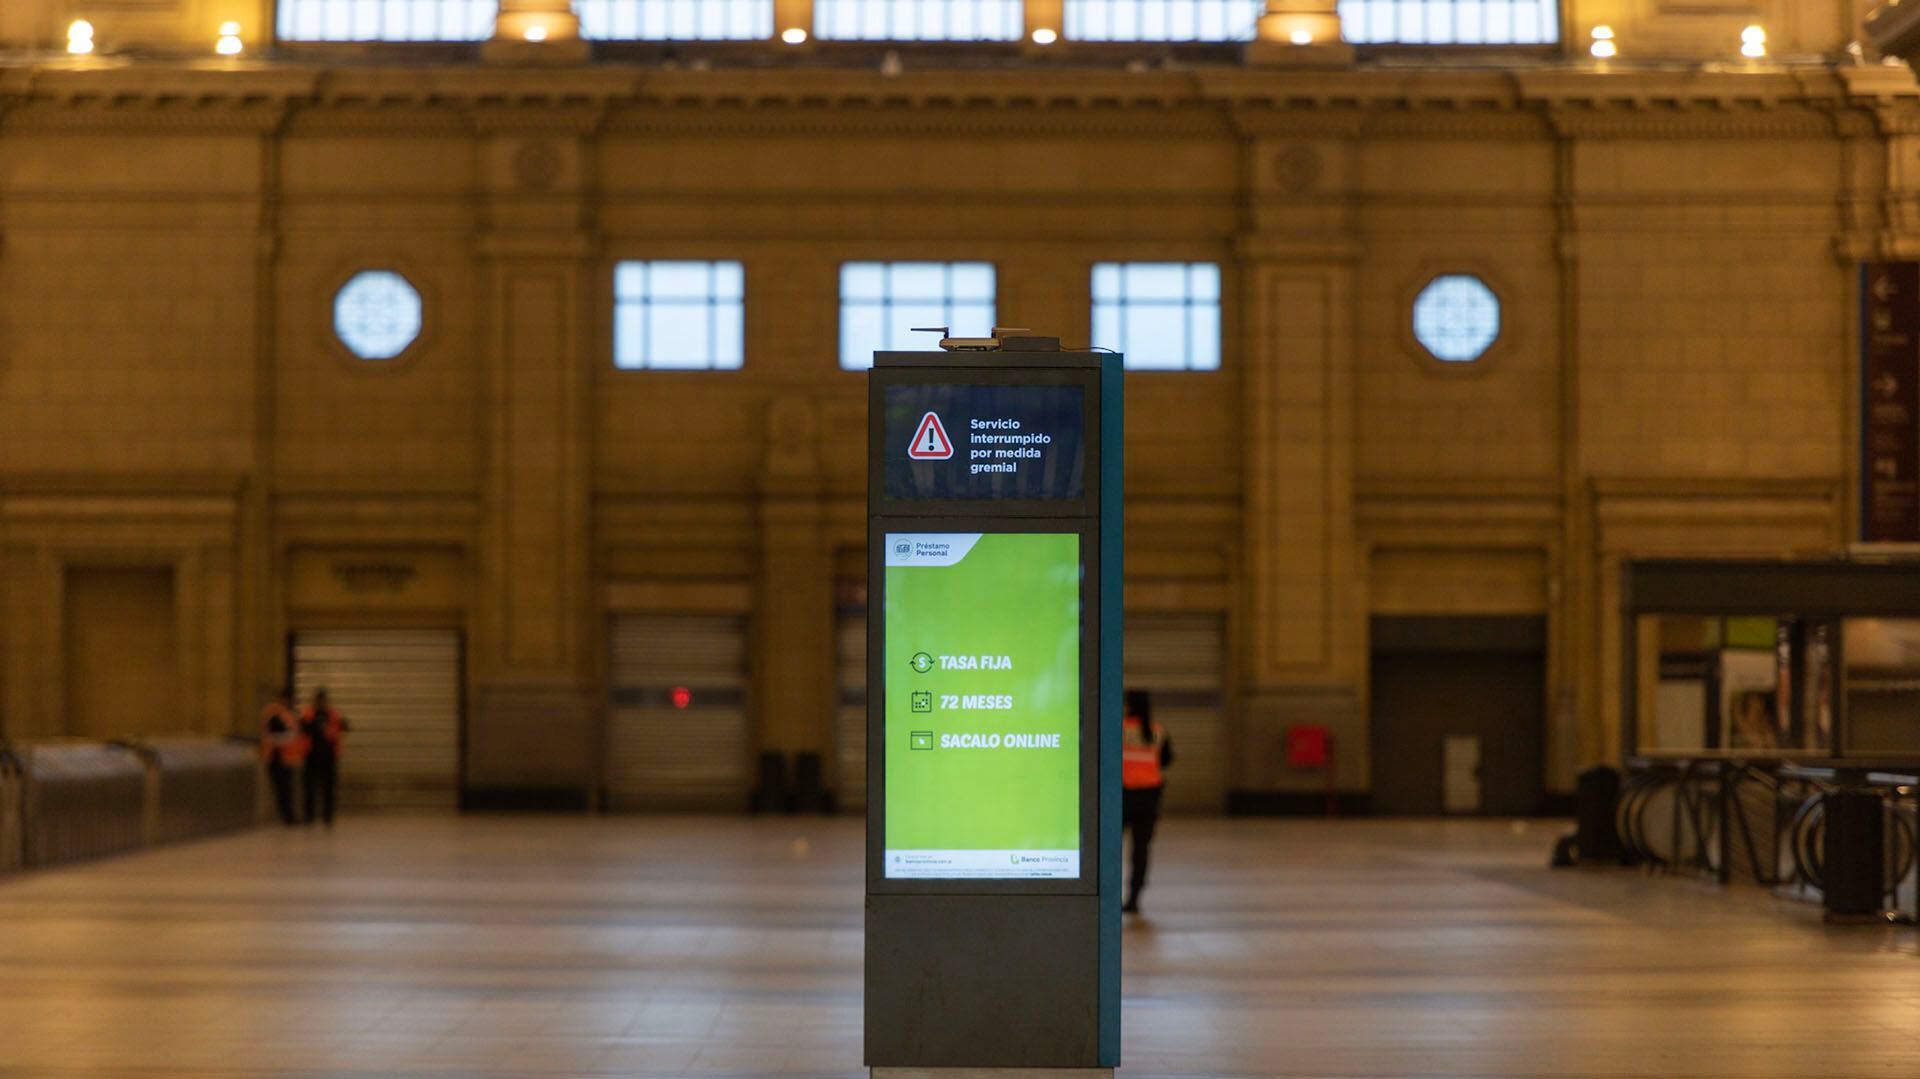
400	691
1458	715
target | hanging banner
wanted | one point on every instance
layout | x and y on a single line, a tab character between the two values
1890	402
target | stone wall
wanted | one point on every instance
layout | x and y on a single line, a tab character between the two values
1673	252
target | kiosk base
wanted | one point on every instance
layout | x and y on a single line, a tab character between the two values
1000	983
992	1073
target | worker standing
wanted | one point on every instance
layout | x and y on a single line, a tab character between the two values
322	727
1145	754
281	746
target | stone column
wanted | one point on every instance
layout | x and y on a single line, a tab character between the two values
536	31
1300	33
789	14
1046	15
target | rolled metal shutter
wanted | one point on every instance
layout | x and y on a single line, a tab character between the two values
850	716
1180	660
662	755
400	691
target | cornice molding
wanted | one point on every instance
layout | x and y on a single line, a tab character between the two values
1571	101
1624	490
897	119
1745	121
15	485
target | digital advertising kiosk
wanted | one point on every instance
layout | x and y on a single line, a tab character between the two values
994	714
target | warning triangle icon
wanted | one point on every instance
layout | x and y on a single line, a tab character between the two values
930	441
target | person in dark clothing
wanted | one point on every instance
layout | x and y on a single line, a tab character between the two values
1145	754
280	745
321	728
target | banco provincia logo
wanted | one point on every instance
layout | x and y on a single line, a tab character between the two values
921	662
904	550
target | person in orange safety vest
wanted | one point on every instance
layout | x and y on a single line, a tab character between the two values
1145	754
280	744
322	728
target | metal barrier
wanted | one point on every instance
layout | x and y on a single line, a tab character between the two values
198	787
10	829
81	801
1765	821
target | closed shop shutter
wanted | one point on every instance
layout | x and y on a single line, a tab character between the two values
400	691
678	738
1181	660
850	719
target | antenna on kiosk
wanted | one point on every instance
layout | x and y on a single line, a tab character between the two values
1002	337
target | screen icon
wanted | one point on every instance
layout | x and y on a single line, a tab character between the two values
930	441
920	740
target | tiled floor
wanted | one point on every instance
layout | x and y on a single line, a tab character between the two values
689	946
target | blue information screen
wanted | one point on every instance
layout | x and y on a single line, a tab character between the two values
960	441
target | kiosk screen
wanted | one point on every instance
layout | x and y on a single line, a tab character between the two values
982	705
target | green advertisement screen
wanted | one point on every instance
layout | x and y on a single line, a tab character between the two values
982	708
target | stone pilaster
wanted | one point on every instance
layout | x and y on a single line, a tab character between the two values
533	724
1302	644
793	672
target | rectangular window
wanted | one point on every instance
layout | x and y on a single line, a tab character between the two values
1162	20
1450	22
918	20
1164	315
881	303
675	20
679	316
384	20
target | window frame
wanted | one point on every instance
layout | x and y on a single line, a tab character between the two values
772	24
946	302
435	44
1221	268
1495	282
612	322
422	287
1555	46
820	34
1067	21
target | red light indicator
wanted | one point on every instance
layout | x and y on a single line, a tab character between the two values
681	696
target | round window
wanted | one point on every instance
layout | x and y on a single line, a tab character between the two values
1456	318
376	314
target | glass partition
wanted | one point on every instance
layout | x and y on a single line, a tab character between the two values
1728	684
1882	685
